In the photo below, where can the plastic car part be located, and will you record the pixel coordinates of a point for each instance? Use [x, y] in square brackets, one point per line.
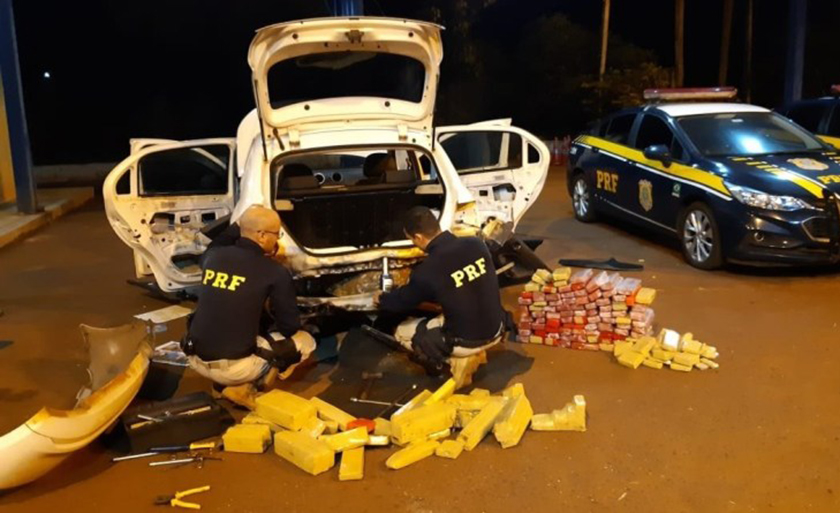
[119, 362]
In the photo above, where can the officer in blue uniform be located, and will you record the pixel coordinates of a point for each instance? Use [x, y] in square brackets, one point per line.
[459, 275]
[225, 341]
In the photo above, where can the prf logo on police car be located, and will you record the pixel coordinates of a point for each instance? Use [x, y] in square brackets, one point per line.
[220, 280]
[470, 272]
[606, 180]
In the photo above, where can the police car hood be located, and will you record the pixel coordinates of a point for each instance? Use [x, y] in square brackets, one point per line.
[346, 72]
[804, 175]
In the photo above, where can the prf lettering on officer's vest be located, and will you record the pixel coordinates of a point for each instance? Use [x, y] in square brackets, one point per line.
[607, 181]
[219, 280]
[469, 272]
[827, 179]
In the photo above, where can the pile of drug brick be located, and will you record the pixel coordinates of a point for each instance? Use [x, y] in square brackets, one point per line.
[310, 433]
[584, 309]
[679, 352]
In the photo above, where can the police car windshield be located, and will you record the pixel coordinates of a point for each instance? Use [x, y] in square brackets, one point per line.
[748, 133]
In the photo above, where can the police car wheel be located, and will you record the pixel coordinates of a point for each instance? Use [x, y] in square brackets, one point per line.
[582, 199]
[700, 237]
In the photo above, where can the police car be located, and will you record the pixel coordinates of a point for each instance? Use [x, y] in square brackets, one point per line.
[732, 181]
[818, 115]
[342, 143]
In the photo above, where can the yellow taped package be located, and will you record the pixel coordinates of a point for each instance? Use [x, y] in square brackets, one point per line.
[247, 438]
[645, 296]
[621, 347]
[680, 367]
[415, 402]
[450, 449]
[347, 440]
[331, 427]
[308, 454]
[571, 418]
[709, 352]
[419, 423]
[623, 321]
[644, 345]
[285, 409]
[652, 363]
[328, 412]
[383, 427]
[412, 454]
[442, 393]
[686, 359]
[661, 354]
[314, 427]
[468, 402]
[691, 346]
[480, 392]
[253, 418]
[710, 363]
[533, 287]
[478, 427]
[513, 422]
[378, 441]
[604, 346]
[464, 417]
[631, 359]
[352, 467]
[562, 274]
[440, 435]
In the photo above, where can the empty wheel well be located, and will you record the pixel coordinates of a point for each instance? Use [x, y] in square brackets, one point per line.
[570, 182]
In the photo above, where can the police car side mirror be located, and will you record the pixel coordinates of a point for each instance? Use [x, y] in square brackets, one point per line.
[658, 152]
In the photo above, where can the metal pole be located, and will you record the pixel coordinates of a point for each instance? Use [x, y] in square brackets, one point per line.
[15, 112]
[725, 37]
[795, 51]
[748, 54]
[605, 32]
[679, 17]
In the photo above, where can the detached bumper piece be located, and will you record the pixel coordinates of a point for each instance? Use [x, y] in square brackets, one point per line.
[119, 362]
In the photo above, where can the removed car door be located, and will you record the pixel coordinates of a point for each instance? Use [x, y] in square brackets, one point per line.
[504, 167]
[159, 198]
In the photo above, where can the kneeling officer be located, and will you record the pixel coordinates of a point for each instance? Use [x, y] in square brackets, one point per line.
[224, 341]
[459, 275]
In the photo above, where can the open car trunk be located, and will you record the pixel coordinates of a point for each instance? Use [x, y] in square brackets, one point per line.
[353, 200]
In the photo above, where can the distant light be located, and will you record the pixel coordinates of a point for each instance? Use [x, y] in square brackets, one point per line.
[47, 75]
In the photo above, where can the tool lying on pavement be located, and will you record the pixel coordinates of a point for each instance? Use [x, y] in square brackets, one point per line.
[608, 265]
[198, 460]
[154, 451]
[369, 401]
[175, 499]
[396, 401]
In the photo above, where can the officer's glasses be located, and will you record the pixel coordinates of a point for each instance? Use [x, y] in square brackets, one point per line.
[277, 234]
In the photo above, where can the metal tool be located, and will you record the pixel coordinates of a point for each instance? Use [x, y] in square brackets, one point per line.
[396, 401]
[154, 451]
[199, 460]
[386, 282]
[368, 378]
[368, 401]
[175, 501]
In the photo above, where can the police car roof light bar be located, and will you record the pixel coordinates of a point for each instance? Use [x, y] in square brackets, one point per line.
[691, 93]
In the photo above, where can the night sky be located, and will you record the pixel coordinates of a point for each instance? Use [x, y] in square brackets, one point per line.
[177, 68]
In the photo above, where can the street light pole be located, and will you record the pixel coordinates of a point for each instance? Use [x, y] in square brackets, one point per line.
[795, 51]
[15, 112]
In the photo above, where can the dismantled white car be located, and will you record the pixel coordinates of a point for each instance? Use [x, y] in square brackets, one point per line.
[341, 144]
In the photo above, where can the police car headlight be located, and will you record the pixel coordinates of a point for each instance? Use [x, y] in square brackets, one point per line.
[758, 199]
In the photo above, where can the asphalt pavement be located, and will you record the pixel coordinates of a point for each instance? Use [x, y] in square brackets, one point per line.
[762, 433]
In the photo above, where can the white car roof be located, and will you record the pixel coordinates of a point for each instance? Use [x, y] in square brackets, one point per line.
[677, 110]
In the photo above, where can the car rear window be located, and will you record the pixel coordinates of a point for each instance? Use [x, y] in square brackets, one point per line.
[749, 133]
[345, 74]
[619, 128]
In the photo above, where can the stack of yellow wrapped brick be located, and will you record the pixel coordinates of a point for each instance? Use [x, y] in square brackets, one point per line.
[682, 353]
[309, 433]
